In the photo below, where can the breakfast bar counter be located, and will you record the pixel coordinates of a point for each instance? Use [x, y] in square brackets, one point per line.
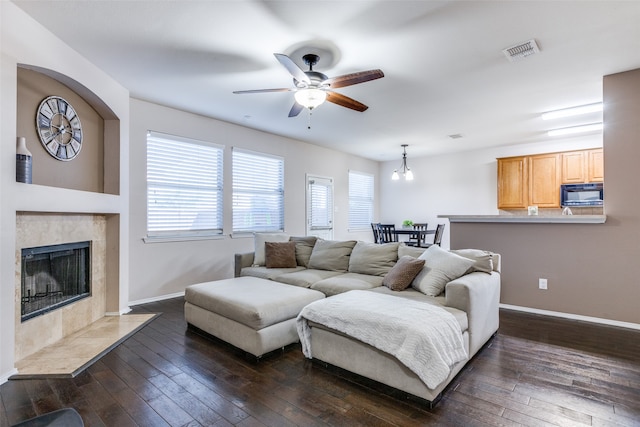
[529, 219]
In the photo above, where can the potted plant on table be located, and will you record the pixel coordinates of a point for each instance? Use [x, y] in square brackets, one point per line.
[407, 223]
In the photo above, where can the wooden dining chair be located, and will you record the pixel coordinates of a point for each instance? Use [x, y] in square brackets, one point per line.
[417, 239]
[387, 233]
[437, 237]
[376, 232]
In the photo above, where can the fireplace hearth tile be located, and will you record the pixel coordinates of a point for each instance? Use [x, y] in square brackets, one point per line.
[71, 355]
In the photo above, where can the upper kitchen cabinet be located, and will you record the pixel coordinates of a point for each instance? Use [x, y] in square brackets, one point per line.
[582, 166]
[544, 180]
[513, 183]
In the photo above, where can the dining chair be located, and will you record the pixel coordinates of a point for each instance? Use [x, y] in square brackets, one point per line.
[376, 232]
[417, 239]
[387, 233]
[437, 237]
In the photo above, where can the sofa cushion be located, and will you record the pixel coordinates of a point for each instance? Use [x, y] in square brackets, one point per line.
[305, 277]
[347, 282]
[267, 273]
[402, 274]
[332, 255]
[259, 239]
[440, 267]
[304, 246]
[280, 254]
[373, 258]
[483, 260]
[409, 250]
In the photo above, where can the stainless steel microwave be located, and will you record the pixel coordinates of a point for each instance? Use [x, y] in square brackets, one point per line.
[588, 194]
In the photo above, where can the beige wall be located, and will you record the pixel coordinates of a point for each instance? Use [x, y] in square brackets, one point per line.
[85, 172]
[591, 268]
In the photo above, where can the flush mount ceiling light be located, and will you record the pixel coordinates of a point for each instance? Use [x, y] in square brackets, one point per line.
[592, 127]
[573, 111]
[406, 171]
[521, 51]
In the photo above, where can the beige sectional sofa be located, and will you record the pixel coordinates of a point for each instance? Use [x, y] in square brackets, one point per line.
[465, 283]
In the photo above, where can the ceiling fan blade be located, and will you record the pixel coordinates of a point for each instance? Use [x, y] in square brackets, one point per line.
[353, 78]
[295, 109]
[345, 101]
[284, 89]
[292, 68]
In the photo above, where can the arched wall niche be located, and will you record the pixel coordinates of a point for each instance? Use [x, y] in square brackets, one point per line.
[97, 167]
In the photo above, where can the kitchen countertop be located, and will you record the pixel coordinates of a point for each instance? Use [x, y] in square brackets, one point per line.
[529, 219]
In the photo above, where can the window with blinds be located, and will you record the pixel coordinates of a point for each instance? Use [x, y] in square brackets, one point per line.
[258, 192]
[184, 187]
[320, 204]
[360, 201]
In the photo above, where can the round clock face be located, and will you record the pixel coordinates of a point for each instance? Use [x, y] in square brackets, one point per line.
[59, 128]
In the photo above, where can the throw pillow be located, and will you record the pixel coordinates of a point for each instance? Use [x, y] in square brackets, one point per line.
[304, 246]
[331, 255]
[400, 276]
[440, 267]
[483, 260]
[372, 258]
[259, 241]
[413, 251]
[280, 254]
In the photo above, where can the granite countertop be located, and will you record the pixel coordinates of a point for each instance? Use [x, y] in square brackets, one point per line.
[529, 219]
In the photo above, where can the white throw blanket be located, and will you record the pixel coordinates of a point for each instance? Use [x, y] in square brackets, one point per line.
[425, 338]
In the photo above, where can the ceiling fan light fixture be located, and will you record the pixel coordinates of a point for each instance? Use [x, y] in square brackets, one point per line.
[310, 98]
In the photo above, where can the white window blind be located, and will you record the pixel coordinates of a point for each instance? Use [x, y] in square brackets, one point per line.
[320, 204]
[360, 200]
[184, 187]
[258, 192]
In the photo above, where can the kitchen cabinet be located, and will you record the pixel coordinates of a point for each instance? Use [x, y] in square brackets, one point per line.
[513, 183]
[544, 180]
[529, 181]
[595, 165]
[582, 166]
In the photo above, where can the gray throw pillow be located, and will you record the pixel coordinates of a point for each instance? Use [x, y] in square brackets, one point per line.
[440, 268]
[332, 255]
[483, 260]
[280, 254]
[400, 276]
[372, 258]
[304, 246]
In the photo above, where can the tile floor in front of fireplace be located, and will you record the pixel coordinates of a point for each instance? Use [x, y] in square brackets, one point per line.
[71, 355]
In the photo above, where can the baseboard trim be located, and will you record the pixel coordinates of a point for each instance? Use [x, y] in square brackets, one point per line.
[156, 299]
[5, 377]
[570, 316]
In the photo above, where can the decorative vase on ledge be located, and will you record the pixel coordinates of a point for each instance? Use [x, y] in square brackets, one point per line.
[23, 161]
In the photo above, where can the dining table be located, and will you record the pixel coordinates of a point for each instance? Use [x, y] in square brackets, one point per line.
[411, 232]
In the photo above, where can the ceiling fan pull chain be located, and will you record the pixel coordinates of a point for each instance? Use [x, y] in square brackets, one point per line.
[309, 125]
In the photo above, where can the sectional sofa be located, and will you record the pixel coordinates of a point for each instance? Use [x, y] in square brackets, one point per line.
[464, 283]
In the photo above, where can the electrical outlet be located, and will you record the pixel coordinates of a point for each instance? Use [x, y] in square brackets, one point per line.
[542, 283]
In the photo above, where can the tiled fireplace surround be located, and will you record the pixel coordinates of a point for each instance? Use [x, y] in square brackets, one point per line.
[41, 229]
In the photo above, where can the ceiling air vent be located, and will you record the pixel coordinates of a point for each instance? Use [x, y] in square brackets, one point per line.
[521, 51]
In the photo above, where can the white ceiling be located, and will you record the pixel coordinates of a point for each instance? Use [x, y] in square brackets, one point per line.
[445, 72]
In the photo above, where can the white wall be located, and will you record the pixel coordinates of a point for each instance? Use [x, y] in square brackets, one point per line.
[159, 269]
[456, 184]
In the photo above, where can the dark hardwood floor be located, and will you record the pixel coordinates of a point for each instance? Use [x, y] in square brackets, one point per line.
[536, 371]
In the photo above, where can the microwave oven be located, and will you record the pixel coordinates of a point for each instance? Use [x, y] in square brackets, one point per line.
[588, 194]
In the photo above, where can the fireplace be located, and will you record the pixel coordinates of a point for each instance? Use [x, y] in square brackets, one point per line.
[54, 276]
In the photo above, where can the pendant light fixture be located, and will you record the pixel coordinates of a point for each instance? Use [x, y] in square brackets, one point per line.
[406, 171]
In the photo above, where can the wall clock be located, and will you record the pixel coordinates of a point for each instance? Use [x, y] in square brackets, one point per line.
[59, 128]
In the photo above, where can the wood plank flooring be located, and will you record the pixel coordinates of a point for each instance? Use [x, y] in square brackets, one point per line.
[537, 371]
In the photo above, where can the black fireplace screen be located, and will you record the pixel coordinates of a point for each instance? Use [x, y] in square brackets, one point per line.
[54, 276]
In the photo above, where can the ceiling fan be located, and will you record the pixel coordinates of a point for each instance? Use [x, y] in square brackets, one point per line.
[312, 88]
